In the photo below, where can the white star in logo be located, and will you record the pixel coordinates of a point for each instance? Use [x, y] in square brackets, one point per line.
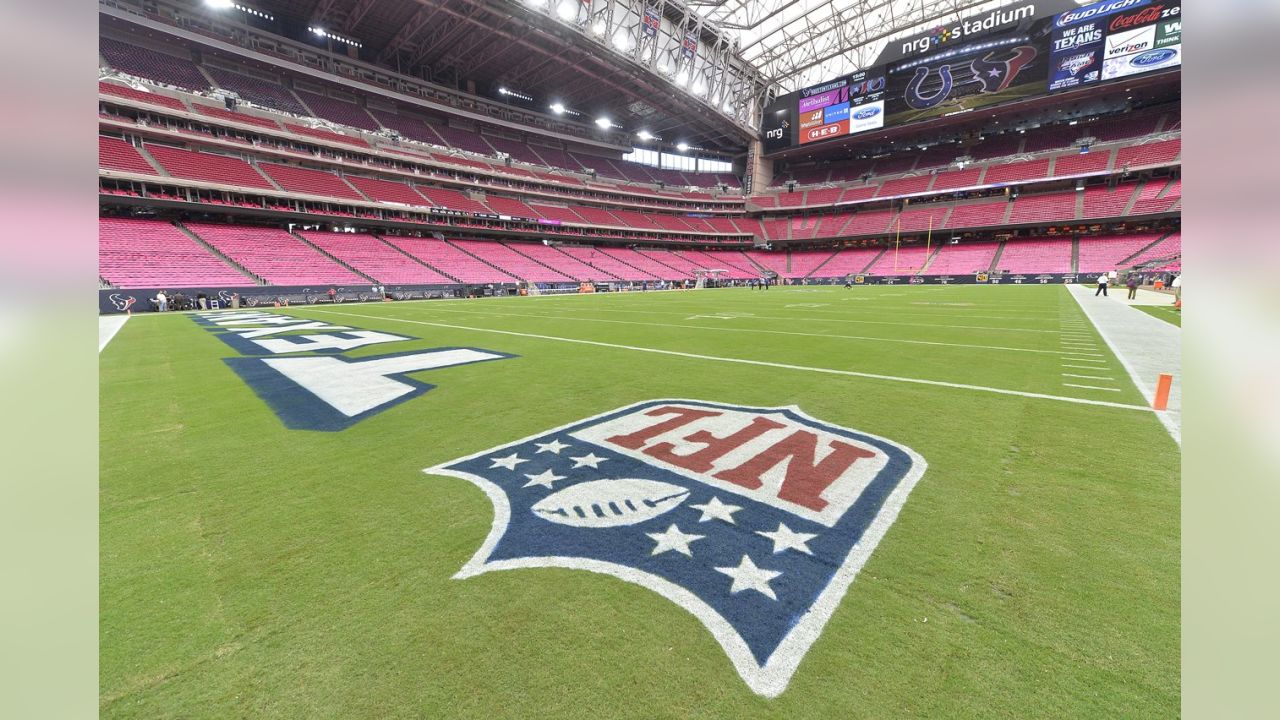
[509, 462]
[588, 460]
[749, 577]
[716, 510]
[544, 479]
[555, 446]
[784, 538]
[673, 539]
[994, 72]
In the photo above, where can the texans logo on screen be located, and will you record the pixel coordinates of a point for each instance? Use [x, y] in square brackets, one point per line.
[755, 520]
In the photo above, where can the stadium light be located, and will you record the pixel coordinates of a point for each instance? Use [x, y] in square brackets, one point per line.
[219, 4]
[318, 30]
[699, 88]
[598, 28]
[645, 135]
[567, 10]
[603, 122]
[557, 108]
[503, 91]
[682, 147]
[622, 40]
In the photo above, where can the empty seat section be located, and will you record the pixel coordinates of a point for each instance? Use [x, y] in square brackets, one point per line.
[448, 259]
[1081, 164]
[151, 64]
[864, 192]
[823, 196]
[1017, 171]
[258, 92]
[153, 254]
[516, 149]
[805, 262]
[560, 262]
[386, 191]
[673, 261]
[982, 214]
[775, 261]
[376, 259]
[969, 177]
[1157, 153]
[408, 126]
[673, 222]
[849, 261]
[555, 212]
[596, 258]
[510, 206]
[116, 154]
[1045, 207]
[996, 146]
[468, 140]
[866, 223]
[1107, 202]
[339, 111]
[274, 255]
[602, 166]
[1036, 256]
[734, 263]
[1101, 254]
[233, 116]
[451, 199]
[1050, 138]
[555, 157]
[1167, 248]
[905, 186]
[510, 261]
[207, 166]
[894, 165]
[310, 182]
[598, 216]
[791, 199]
[964, 259]
[1153, 199]
[646, 264]
[631, 218]
[832, 225]
[905, 260]
[923, 219]
[145, 96]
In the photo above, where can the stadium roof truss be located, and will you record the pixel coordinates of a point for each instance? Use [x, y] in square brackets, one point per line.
[795, 43]
[577, 50]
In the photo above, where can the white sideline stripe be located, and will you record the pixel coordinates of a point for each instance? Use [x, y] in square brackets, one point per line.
[108, 326]
[767, 332]
[760, 363]
[1083, 357]
[1088, 377]
[1084, 367]
[1090, 387]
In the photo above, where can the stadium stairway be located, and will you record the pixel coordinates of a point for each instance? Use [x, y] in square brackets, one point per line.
[455, 246]
[415, 258]
[333, 257]
[761, 269]
[218, 254]
[603, 273]
[929, 260]
[516, 248]
[1125, 262]
[995, 259]
[816, 268]
[1075, 254]
[1133, 198]
[146, 155]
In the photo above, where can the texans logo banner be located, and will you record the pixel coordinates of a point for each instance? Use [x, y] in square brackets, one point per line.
[755, 520]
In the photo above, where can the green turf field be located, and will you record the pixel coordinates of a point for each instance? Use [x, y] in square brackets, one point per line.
[1166, 313]
[249, 570]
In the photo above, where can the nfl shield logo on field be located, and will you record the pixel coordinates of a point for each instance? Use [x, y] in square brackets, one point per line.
[756, 520]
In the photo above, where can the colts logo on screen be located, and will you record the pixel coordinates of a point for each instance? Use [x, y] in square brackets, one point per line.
[755, 520]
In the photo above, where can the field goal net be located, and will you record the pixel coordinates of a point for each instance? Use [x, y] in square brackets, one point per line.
[703, 275]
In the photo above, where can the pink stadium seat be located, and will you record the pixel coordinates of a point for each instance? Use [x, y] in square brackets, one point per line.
[562, 263]
[1046, 207]
[849, 261]
[963, 259]
[153, 98]
[136, 253]
[986, 213]
[310, 182]
[598, 259]
[386, 191]
[339, 111]
[905, 260]
[207, 166]
[377, 259]
[274, 255]
[510, 261]
[1050, 255]
[116, 154]
[450, 260]
[1101, 254]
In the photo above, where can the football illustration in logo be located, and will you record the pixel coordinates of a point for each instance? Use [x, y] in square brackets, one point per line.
[754, 520]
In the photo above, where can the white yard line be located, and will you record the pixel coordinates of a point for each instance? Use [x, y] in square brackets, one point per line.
[1090, 387]
[1088, 377]
[108, 326]
[758, 363]
[766, 332]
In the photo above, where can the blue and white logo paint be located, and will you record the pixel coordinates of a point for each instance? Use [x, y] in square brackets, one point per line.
[755, 520]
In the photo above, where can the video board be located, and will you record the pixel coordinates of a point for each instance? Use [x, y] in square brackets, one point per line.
[1021, 51]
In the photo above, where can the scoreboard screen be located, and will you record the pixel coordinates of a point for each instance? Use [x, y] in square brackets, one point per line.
[1010, 54]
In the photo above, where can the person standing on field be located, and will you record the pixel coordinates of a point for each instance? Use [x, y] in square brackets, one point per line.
[1132, 284]
[1102, 286]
